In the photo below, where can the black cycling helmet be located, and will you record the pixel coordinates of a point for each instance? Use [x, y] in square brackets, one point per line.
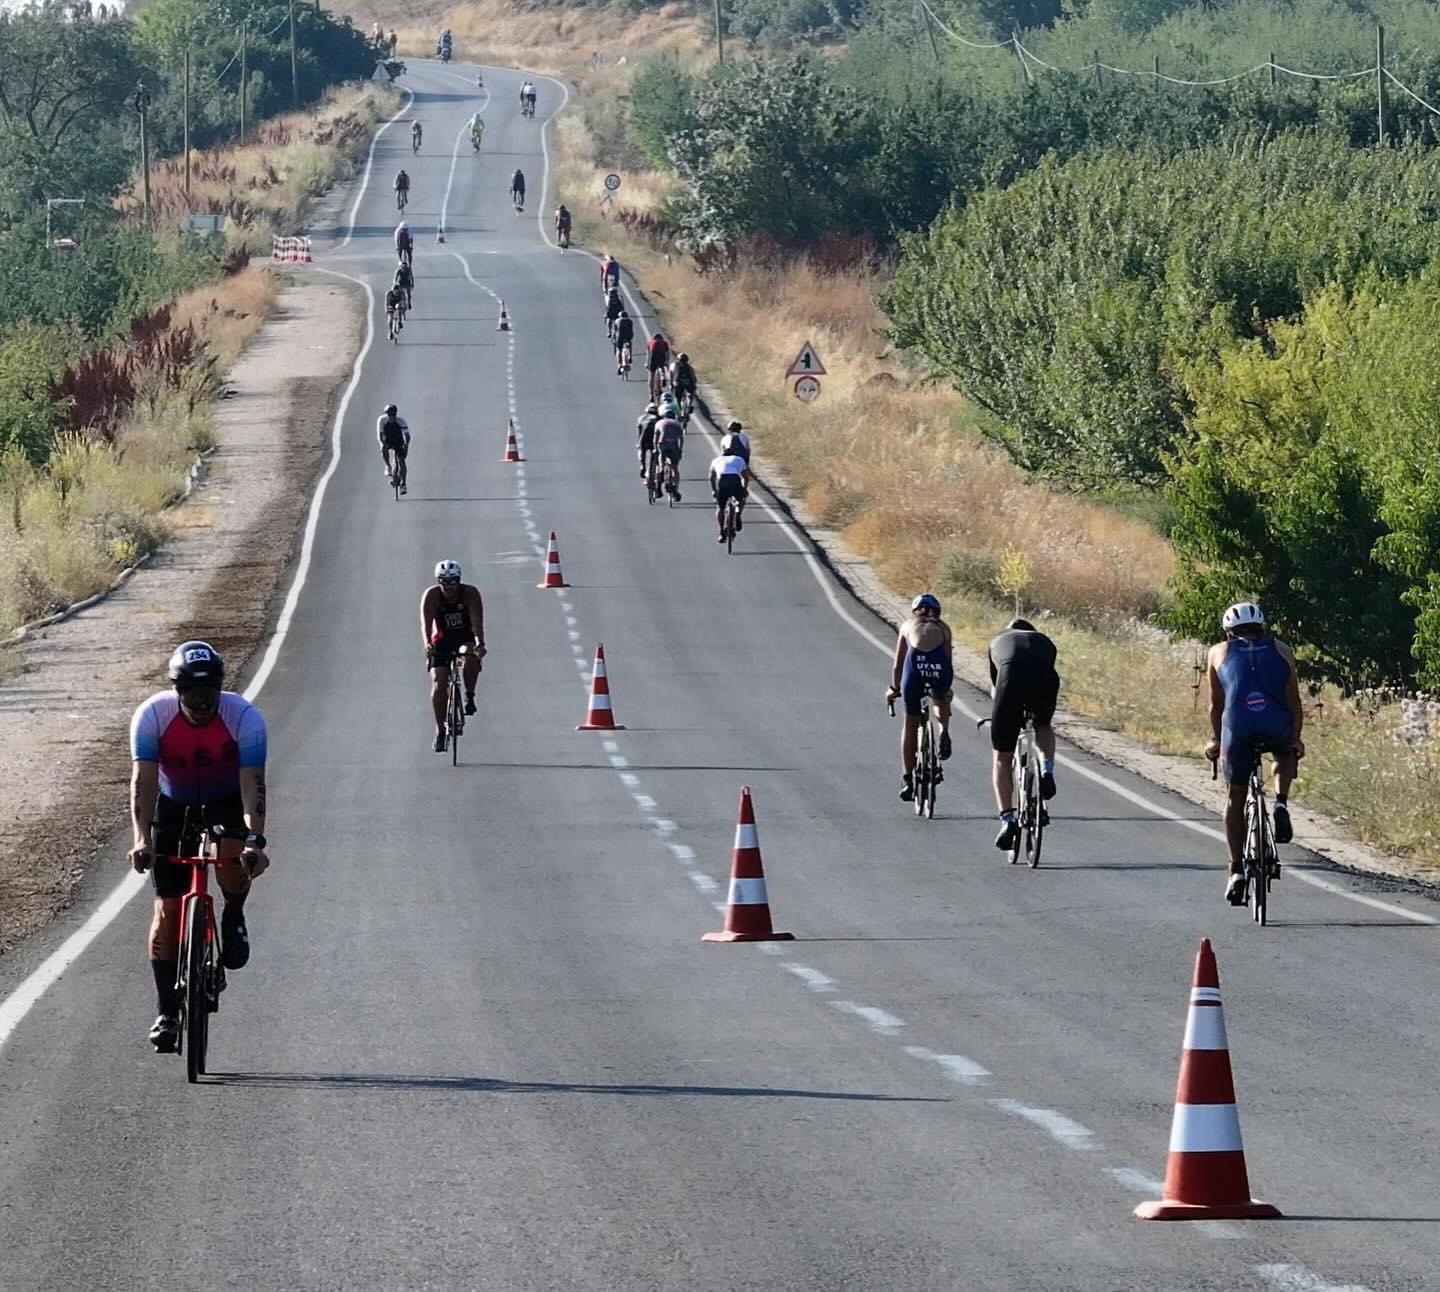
[734, 426]
[391, 410]
[925, 601]
[1020, 626]
[684, 358]
[196, 664]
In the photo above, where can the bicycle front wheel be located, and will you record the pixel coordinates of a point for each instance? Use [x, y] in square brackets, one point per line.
[1034, 815]
[196, 1004]
[456, 718]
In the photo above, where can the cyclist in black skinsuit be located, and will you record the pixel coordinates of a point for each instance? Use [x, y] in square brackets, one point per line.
[1022, 680]
[517, 188]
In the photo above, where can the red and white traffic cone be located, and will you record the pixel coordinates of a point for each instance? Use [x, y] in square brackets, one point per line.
[512, 454]
[553, 578]
[600, 717]
[1205, 1177]
[504, 324]
[747, 913]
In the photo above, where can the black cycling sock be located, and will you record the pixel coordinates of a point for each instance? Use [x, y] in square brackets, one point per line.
[1280, 800]
[166, 1000]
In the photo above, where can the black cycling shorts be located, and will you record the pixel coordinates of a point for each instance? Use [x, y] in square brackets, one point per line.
[176, 832]
[657, 362]
[444, 651]
[729, 486]
[1018, 692]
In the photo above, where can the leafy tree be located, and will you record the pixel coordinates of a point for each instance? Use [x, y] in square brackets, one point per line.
[30, 356]
[63, 89]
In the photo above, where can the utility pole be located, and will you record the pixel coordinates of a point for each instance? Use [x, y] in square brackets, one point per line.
[1272, 68]
[1380, 88]
[294, 75]
[719, 35]
[1157, 71]
[243, 33]
[142, 105]
[929, 30]
[1015, 45]
[186, 115]
[1096, 55]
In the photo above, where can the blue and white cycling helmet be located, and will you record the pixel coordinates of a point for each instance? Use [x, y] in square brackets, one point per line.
[925, 601]
[1240, 614]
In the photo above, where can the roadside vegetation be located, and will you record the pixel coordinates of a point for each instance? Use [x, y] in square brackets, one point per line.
[116, 330]
[1112, 351]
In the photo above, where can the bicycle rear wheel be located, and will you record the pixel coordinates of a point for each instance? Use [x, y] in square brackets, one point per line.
[1033, 815]
[196, 999]
[1257, 864]
[730, 514]
[1024, 761]
[932, 765]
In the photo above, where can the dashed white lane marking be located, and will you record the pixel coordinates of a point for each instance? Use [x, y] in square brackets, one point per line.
[629, 780]
[703, 882]
[1056, 1125]
[682, 853]
[955, 1066]
[1147, 1186]
[1296, 1278]
[644, 802]
[877, 1020]
[812, 978]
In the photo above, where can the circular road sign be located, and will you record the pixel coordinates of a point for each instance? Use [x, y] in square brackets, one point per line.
[807, 388]
[612, 181]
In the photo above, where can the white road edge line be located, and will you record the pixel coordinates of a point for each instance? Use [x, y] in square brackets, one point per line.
[370, 163]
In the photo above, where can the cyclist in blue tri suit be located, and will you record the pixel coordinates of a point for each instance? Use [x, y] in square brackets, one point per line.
[922, 663]
[1254, 696]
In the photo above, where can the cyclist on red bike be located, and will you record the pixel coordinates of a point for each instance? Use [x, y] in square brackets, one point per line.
[198, 761]
[657, 362]
[452, 615]
[609, 273]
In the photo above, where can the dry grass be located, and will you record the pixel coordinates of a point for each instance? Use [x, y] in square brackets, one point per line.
[228, 314]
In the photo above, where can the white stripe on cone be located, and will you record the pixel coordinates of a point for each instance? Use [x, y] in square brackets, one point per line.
[1205, 1029]
[746, 835]
[599, 700]
[748, 892]
[1205, 1128]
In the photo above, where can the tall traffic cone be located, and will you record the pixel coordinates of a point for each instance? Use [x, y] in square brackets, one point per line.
[504, 324]
[600, 717]
[512, 454]
[747, 914]
[553, 578]
[1205, 1177]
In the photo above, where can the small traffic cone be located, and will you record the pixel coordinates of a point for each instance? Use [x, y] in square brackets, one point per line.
[504, 324]
[747, 914]
[512, 454]
[600, 717]
[1205, 1177]
[553, 577]
[439, 233]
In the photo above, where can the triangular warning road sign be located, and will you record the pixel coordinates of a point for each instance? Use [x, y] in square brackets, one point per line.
[807, 363]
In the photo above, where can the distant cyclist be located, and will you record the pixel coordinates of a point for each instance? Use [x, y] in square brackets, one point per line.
[729, 478]
[517, 189]
[415, 133]
[1022, 680]
[404, 243]
[657, 360]
[402, 188]
[736, 441]
[624, 337]
[682, 378]
[645, 436]
[452, 615]
[670, 444]
[198, 761]
[477, 131]
[614, 308]
[393, 433]
[922, 665]
[1254, 698]
[394, 311]
[405, 281]
[609, 274]
[527, 98]
[562, 225]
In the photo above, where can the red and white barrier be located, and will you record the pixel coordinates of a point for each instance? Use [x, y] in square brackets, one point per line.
[290, 251]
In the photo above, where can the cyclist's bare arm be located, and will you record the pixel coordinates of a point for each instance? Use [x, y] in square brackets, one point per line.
[428, 610]
[902, 648]
[476, 606]
[1213, 661]
[144, 791]
[1292, 691]
[253, 798]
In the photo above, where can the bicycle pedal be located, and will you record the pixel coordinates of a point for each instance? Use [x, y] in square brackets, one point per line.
[1044, 817]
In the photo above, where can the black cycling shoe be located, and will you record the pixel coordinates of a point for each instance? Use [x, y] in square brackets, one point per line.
[165, 1034]
[1284, 831]
[1047, 785]
[945, 748]
[234, 939]
[439, 744]
[739, 522]
[1008, 837]
[1235, 889]
[470, 705]
[907, 790]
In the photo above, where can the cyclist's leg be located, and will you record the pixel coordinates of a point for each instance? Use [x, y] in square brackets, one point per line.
[1236, 761]
[1007, 716]
[439, 685]
[472, 676]
[402, 467]
[943, 697]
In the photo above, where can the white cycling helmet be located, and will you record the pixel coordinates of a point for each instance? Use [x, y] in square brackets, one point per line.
[1240, 614]
[447, 572]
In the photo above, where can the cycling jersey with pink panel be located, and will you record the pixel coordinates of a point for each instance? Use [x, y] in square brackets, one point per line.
[198, 764]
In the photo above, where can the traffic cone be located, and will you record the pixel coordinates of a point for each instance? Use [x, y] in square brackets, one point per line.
[600, 717]
[512, 454]
[1205, 1177]
[504, 324]
[553, 577]
[747, 914]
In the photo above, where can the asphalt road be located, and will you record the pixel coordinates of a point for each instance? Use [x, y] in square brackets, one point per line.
[481, 1045]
